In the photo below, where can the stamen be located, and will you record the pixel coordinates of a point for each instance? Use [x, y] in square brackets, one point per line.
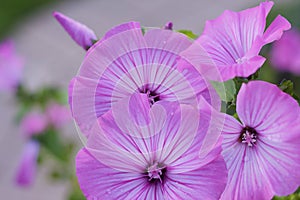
[248, 136]
[156, 172]
[152, 95]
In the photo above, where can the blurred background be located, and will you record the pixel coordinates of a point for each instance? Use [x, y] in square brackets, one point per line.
[51, 59]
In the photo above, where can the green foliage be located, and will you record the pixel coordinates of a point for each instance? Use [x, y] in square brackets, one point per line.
[226, 90]
[188, 33]
[287, 86]
[11, 11]
[53, 143]
[41, 97]
[75, 193]
[295, 196]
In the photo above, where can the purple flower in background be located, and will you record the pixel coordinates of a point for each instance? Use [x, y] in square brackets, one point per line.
[33, 123]
[58, 115]
[80, 33]
[124, 62]
[150, 159]
[233, 42]
[262, 151]
[27, 167]
[11, 67]
[285, 53]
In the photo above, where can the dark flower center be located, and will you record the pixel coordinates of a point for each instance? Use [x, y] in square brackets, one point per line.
[156, 172]
[248, 136]
[153, 96]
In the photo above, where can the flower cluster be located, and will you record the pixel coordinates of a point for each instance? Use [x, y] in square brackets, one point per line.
[149, 101]
[42, 115]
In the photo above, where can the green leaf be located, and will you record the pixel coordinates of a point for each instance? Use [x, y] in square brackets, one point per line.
[188, 33]
[294, 196]
[226, 90]
[143, 29]
[287, 86]
[55, 145]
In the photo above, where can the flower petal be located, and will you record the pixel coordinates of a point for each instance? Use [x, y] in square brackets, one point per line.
[120, 40]
[244, 69]
[265, 107]
[178, 134]
[28, 165]
[246, 180]
[285, 53]
[126, 62]
[276, 28]
[33, 123]
[268, 169]
[98, 181]
[168, 40]
[235, 32]
[230, 44]
[11, 67]
[206, 182]
[202, 87]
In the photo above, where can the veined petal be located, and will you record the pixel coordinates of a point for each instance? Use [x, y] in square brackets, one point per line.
[117, 149]
[98, 181]
[168, 40]
[259, 173]
[205, 182]
[202, 87]
[246, 180]
[206, 144]
[269, 165]
[258, 104]
[120, 40]
[244, 69]
[178, 134]
[281, 158]
[235, 32]
[126, 62]
[233, 42]
[276, 29]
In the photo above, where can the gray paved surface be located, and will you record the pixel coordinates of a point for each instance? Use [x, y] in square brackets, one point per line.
[53, 58]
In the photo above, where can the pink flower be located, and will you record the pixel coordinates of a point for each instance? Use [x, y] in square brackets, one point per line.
[262, 151]
[124, 62]
[58, 115]
[11, 67]
[33, 123]
[229, 46]
[152, 155]
[285, 53]
[80, 33]
[27, 169]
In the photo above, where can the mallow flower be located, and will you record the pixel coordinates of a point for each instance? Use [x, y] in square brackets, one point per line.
[11, 67]
[26, 172]
[155, 154]
[126, 61]
[285, 53]
[33, 123]
[261, 150]
[81, 34]
[58, 115]
[230, 44]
